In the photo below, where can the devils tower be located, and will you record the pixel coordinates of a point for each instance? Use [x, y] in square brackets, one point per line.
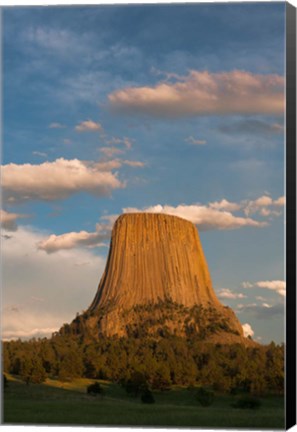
[157, 280]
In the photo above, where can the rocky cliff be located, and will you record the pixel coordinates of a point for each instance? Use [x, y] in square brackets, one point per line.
[157, 280]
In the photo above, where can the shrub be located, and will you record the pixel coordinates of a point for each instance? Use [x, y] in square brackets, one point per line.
[136, 384]
[247, 402]
[95, 389]
[205, 397]
[147, 397]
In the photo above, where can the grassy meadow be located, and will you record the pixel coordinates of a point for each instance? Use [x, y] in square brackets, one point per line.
[61, 403]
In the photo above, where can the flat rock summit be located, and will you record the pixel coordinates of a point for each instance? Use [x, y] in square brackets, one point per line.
[157, 282]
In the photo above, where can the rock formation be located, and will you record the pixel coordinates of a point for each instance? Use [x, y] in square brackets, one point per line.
[157, 280]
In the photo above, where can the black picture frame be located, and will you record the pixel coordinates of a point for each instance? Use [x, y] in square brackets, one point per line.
[291, 215]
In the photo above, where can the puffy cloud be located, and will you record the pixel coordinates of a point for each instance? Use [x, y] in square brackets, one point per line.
[60, 280]
[247, 330]
[55, 180]
[275, 285]
[88, 126]
[204, 217]
[225, 205]
[205, 93]
[194, 141]
[72, 240]
[228, 294]
[278, 286]
[263, 205]
[281, 201]
[8, 220]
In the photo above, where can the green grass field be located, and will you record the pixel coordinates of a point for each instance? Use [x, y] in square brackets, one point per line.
[60, 403]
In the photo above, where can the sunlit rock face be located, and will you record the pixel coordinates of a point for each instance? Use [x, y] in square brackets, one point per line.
[157, 281]
[154, 257]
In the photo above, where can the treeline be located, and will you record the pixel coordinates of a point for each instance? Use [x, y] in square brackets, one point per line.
[163, 362]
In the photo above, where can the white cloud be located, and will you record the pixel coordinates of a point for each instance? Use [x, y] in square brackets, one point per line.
[225, 205]
[263, 205]
[72, 240]
[228, 294]
[204, 217]
[194, 141]
[8, 220]
[205, 93]
[281, 201]
[247, 330]
[55, 180]
[278, 286]
[88, 126]
[65, 286]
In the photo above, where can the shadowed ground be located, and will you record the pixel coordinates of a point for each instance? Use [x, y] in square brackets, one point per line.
[51, 404]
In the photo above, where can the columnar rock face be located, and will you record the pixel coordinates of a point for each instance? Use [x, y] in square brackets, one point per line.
[153, 257]
[156, 280]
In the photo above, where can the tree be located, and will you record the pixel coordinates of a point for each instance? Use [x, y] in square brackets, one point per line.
[32, 371]
[71, 366]
[162, 380]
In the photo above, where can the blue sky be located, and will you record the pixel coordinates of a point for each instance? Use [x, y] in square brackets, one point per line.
[175, 109]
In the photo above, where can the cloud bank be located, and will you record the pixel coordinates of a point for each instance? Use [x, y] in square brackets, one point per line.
[51, 289]
[228, 294]
[55, 180]
[214, 216]
[205, 93]
[279, 286]
[264, 205]
[8, 220]
[72, 240]
[206, 218]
